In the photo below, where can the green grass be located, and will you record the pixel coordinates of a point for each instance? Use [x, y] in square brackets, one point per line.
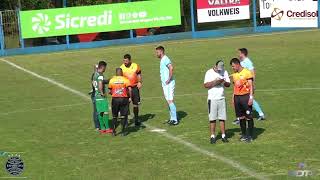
[60, 143]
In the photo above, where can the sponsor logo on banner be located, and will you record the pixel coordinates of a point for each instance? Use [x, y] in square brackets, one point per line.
[222, 10]
[289, 13]
[99, 18]
[266, 8]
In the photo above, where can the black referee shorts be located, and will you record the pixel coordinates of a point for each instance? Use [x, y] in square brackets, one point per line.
[135, 96]
[241, 106]
[120, 104]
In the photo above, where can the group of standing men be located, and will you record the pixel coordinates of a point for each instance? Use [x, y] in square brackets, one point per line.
[243, 79]
[124, 88]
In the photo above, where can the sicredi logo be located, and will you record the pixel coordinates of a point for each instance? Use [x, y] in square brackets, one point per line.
[41, 22]
[277, 14]
[302, 14]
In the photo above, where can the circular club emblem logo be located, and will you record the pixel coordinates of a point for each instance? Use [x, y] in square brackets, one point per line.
[15, 165]
[41, 23]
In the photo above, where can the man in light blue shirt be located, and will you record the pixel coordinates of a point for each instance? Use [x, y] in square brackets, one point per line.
[168, 83]
[247, 63]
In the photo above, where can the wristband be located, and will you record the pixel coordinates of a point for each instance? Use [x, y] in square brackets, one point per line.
[251, 97]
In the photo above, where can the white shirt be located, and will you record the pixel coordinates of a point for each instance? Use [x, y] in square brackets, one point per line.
[164, 69]
[247, 63]
[217, 92]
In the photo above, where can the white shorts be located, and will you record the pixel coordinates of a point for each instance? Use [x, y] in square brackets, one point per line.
[217, 109]
[168, 90]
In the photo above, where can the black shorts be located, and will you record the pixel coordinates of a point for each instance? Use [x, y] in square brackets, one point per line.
[241, 106]
[120, 105]
[135, 96]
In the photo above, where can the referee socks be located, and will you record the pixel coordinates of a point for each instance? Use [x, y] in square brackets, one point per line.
[250, 127]
[243, 126]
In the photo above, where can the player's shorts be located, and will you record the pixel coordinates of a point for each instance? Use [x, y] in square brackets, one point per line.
[102, 105]
[168, 90]
[217, 109]
[135, 96]
[241, 106]
[121, 105]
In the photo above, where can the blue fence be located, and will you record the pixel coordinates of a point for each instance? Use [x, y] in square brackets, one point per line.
[193, 33]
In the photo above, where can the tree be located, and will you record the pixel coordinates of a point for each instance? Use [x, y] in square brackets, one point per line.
[8, 4]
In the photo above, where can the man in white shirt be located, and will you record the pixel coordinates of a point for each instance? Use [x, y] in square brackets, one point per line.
[215, 80]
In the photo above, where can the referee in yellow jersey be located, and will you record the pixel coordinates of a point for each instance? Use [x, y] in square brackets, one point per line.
[243, 98]
[132, 72]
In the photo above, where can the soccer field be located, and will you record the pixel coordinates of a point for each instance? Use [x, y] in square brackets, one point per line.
[46, 114]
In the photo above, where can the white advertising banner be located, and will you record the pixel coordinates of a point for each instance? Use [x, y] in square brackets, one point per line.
[265, 7]
[289, 13]
[222, 10]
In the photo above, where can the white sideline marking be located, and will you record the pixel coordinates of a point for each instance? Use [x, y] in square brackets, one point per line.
[40, 109]
[11, 177]
[169, 136]
[158, 130]
[246, 177]
[47, 79]
[212, 154]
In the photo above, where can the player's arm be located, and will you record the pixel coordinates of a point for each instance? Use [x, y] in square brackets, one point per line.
[130, 93]
[226, 79]
[253, 72]
[250, 83]
[170, 67]
[110, 87]
[101, 85]
[139, 78]
[213, 83]
[128, 86]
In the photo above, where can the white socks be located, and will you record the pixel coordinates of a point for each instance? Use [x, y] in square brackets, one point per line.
[213, 136]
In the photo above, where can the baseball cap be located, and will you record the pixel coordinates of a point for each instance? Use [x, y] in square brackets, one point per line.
[220, 65]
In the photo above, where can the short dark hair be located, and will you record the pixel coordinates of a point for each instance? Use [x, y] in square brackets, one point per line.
[102, 64]
[234, 61]
[244, 51]
[118, 70]
[127, 56]
[161, 48]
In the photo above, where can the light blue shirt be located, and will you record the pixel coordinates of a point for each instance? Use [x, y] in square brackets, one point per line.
[164, 70]
[247, 63]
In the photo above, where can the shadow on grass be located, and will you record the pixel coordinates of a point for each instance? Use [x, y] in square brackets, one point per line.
[255, 114]
[181, 115]
[232, 132]
[143, 118]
